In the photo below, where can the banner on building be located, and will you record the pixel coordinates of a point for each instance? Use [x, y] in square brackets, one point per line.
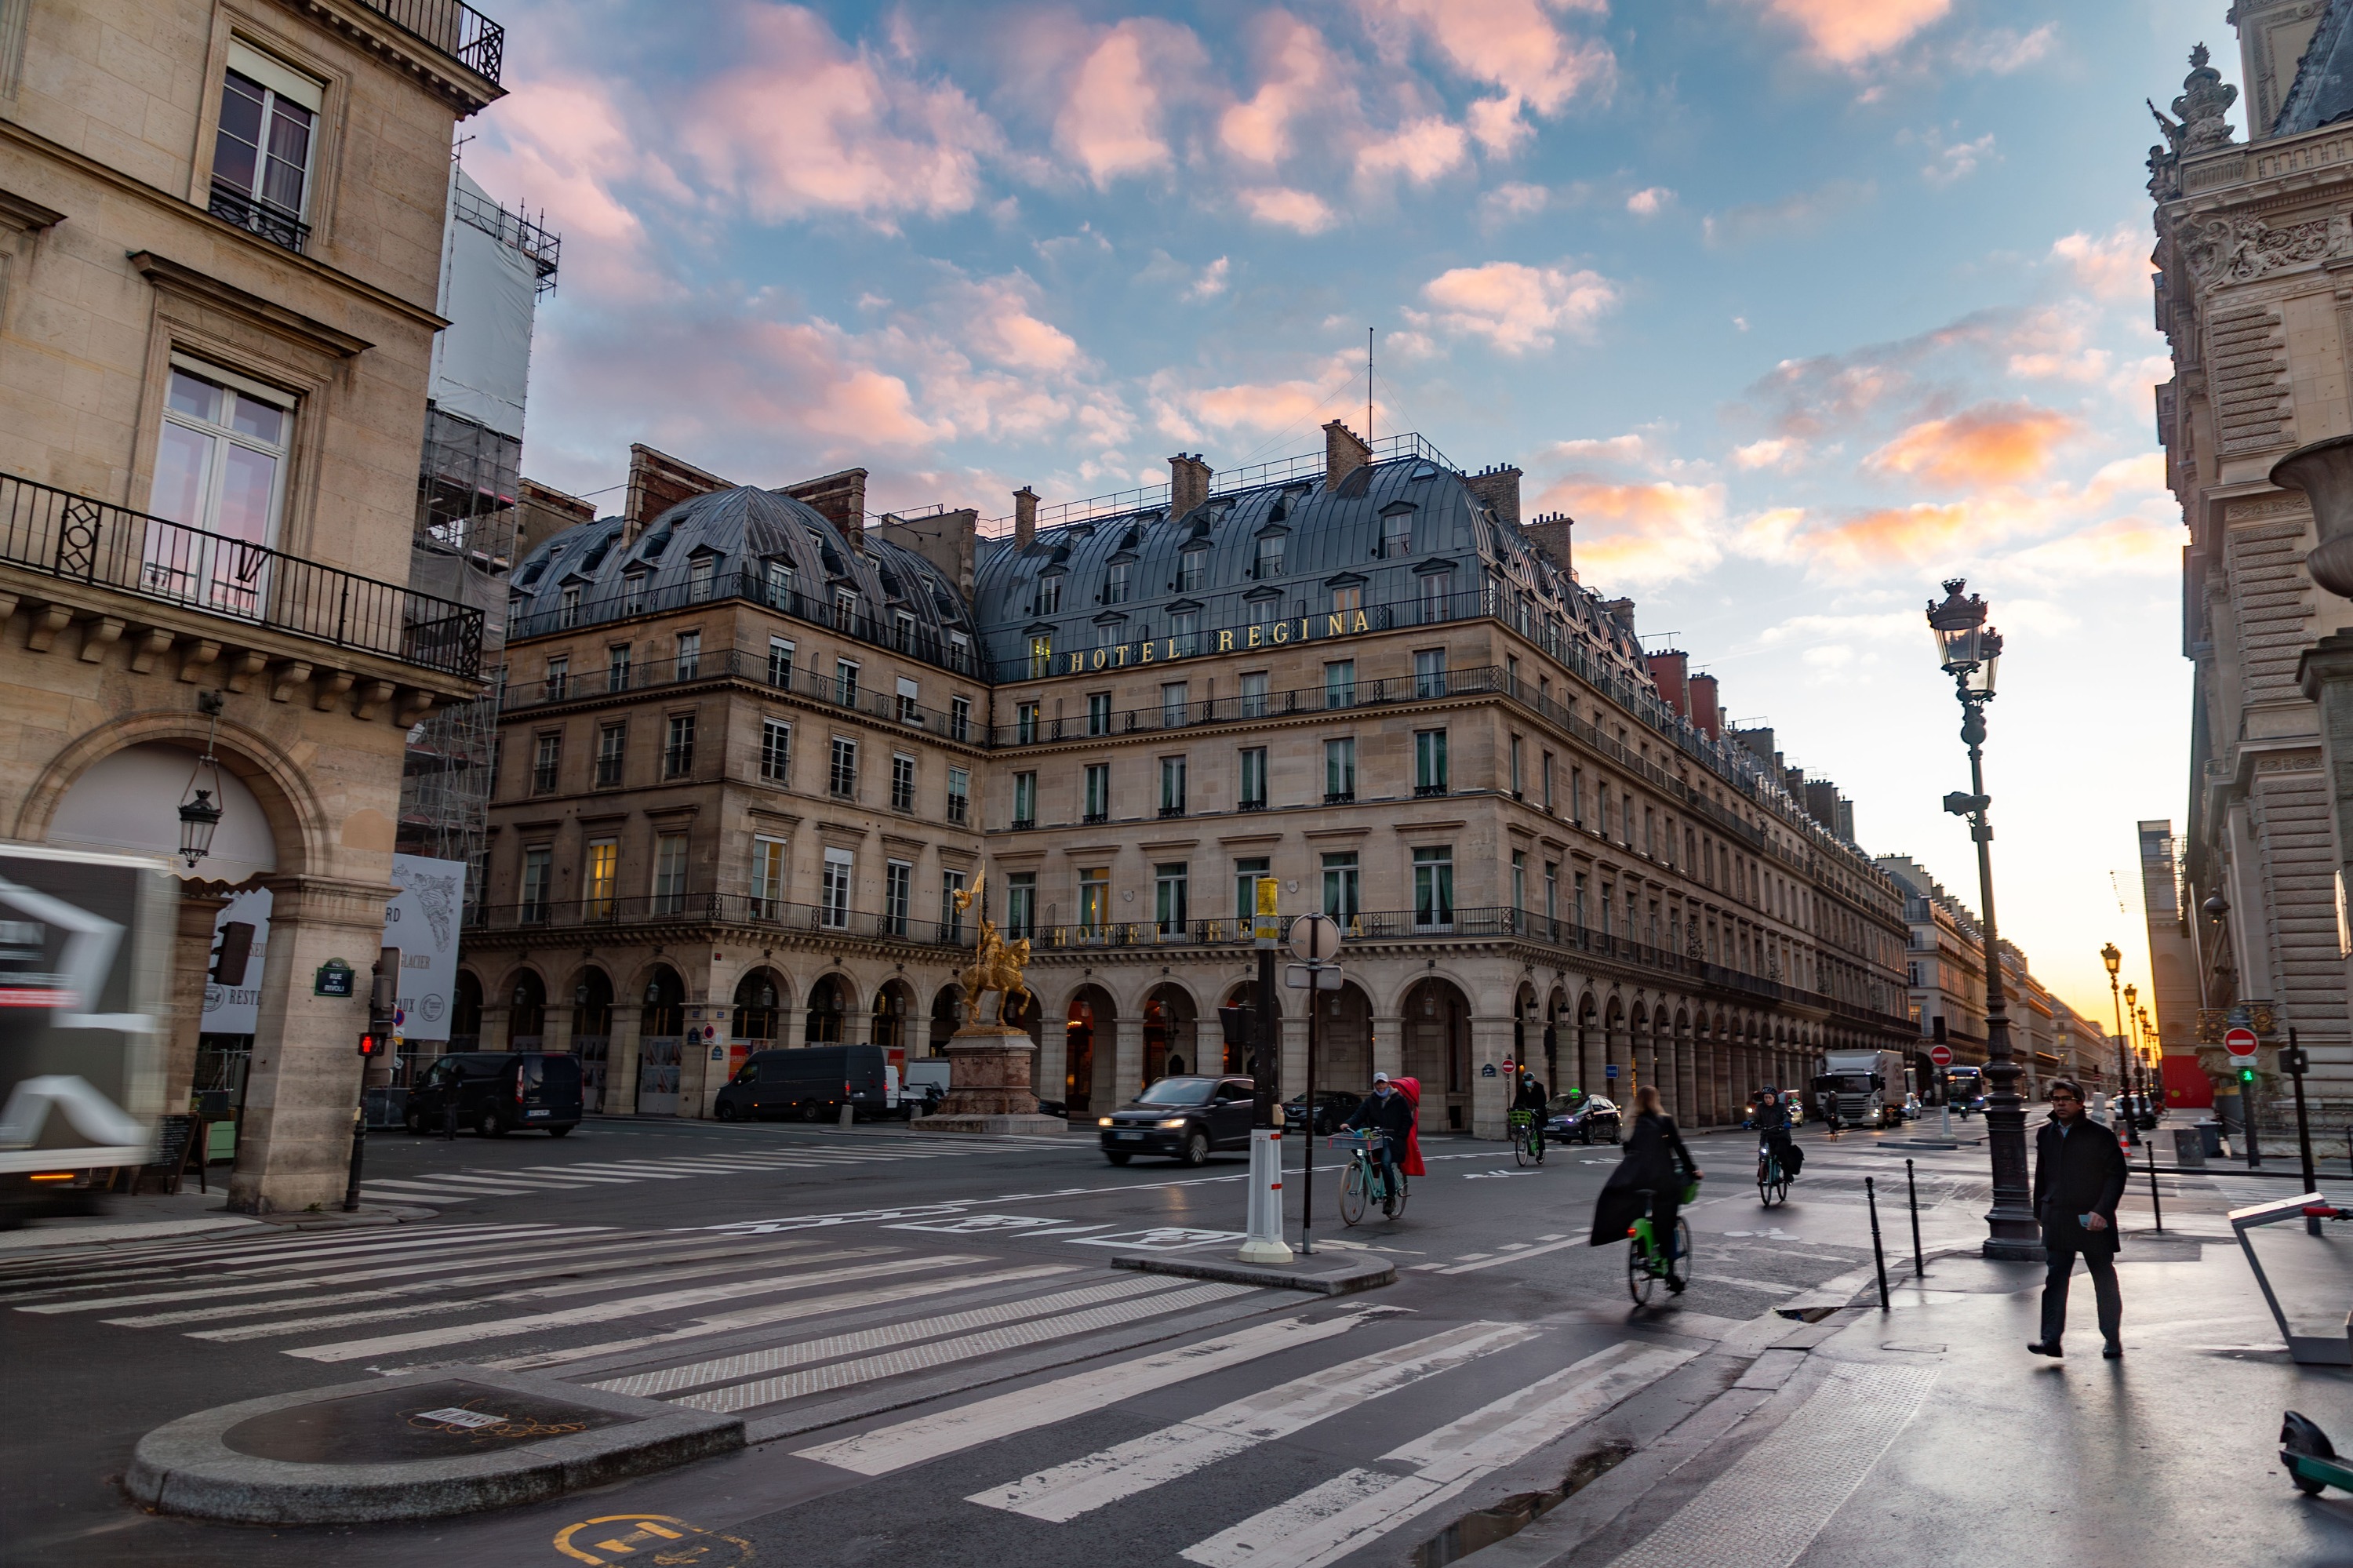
[422, 920]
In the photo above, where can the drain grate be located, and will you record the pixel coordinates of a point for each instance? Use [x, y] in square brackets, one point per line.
[1506, 1518]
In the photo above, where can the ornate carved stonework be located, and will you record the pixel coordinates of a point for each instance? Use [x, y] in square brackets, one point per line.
[2270, 506]
[2205, 99]
[2239, 249]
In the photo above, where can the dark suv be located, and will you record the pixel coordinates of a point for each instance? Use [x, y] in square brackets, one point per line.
[495, 1092]
[1184, 1117]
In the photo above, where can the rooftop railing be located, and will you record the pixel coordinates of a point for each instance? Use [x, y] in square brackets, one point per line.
[1306, 466]
[79, 539]
[454, 27]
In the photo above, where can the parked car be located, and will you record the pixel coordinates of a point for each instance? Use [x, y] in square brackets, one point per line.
[1185, 1118]
[925, 1087]
[1333, 1109]
[813, 1082]
[496, 1092]
[1580, 1118]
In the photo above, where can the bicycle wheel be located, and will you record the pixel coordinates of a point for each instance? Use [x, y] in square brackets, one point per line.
[1521, 1154]
[1639, 1280]
[1537, 1138]
[1780, 1186]
[1404, 1190]
[1681, 1263]
[1352, 1193]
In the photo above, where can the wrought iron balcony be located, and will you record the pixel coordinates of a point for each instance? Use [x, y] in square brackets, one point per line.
[454, 27]
[721, 908]
[276, 225]
[77, 540]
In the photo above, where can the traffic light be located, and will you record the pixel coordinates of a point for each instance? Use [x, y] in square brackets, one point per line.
[377, 1042]
[1239, 1026]
[2246, 1074]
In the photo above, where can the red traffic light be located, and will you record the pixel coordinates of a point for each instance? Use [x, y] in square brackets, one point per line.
[372, 1045]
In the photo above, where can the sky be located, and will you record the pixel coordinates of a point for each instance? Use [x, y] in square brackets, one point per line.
[1796, 306]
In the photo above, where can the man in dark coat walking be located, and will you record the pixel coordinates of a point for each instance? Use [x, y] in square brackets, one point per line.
[2079, 1178]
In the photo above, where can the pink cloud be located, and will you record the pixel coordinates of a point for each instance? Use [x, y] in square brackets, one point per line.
[1632, 535]
[1300, 75]
[562, 143]
[1515, 307]
[1990, 444]
[1849, 32]
[1110, 123]
[1421, 150]
[1514, 45]
[805, 122]
[1288, 208]
[1650, 201]
[2114, 266]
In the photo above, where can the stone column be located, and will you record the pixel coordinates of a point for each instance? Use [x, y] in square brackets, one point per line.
[1294, 1053]
[299, 1101]
[1053, 1060]
[1618, 1045]
[621, 1060]
[556, 1030]
[1127, 1058]
[1389, 1046]
[494, 1014]
[192, 950]
[1491, 1098]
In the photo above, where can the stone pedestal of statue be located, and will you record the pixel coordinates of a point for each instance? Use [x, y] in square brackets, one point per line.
[989, 1070]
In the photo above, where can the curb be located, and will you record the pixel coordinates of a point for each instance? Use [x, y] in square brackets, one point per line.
[1352, 1275]
[188, 1468]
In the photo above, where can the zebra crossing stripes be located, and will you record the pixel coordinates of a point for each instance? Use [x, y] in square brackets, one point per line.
[1327, 1522]
[1083, 1485]
[482, 1182]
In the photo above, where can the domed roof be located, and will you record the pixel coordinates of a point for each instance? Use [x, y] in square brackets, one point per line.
[1404, 539]
[743, 542]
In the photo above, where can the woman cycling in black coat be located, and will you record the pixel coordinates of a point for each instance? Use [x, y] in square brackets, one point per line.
[1655, 1162]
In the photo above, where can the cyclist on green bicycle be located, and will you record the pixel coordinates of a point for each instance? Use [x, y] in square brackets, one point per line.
[1532, 1099]
[1386, 1112]
[1771, 1120]
[1656, 1163]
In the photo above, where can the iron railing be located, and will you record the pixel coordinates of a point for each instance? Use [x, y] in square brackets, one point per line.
[82, 540]
[909, 637]
[723, 908]
[454, 27]
[274, 224]
[740, 664]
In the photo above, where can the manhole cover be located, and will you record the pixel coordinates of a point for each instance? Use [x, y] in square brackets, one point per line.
[441, 1420]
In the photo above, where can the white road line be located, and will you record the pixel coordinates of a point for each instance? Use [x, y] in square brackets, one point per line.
[606, 1167]
[282, 1260]
[944, 1352]
[1327, 1522]
[477, 1186]
[606, 1261]
[806, 1352]
[605, 1311]
[1512, 1257]
[1084, 1485]
[927, 1437]
[258, 1261]
[760, 1317]
[438, 1188]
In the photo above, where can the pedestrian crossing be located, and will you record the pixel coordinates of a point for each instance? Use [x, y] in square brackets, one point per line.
[1050, 1390]
[438, 1188]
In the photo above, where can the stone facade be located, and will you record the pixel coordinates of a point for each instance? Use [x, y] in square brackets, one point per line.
[2254, 294]
[253, 368]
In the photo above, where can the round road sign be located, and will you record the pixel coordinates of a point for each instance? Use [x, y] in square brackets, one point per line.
[2239, 1042]
[1941, 1055]
[1316, 939]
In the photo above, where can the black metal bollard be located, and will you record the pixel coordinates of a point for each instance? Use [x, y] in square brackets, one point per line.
[2155, 1205]
[359, 1153]
[1878, 1257]
[1912, 1193]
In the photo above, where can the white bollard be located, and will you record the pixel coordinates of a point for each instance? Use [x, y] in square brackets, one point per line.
[847, 1116]
[1265, 1243]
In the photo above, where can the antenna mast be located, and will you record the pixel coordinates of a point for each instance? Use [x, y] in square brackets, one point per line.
[1368, 386]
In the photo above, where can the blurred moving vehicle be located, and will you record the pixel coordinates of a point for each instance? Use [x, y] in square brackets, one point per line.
[1583, 1118]
[813, 1082]
[498, 1092]
[1184, 1118]
[1333, 1109]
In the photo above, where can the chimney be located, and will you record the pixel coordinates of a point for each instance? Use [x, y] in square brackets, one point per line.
[1188, 484]
[1344, 453]
[659, 481]
[1548, 533]
[1706, 710]
[1499, 487]
[1822, 802]
[944, 539]
[1671, 672]
[1025, 517]
[840, 499]
[542, 512]
[1620, 611]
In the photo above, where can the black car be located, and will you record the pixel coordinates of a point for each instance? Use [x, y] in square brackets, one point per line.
[496, 1092]
[813, 1082]
[1579, 1118]
[1184, 1117]
[1333, 1109]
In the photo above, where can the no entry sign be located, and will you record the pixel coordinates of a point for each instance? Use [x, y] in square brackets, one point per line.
[2239, 1042]
[1941, 1055]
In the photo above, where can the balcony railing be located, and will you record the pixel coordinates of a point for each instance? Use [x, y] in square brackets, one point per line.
[454, 27]
[76, 538]
[273, 224]
[910, 638]
[727, 908]
[739, 665]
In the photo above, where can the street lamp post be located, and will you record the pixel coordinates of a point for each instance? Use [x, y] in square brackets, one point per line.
[1969, 651]
[2114, 960]
[2132, 1077]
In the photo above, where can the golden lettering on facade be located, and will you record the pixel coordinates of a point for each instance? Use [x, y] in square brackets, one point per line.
[1283, 631]
[1361, 624]
[1255, 635]
[1119, 656]
[1148, 654]
[1225, 641]
[1078, 664]
[1334, 625]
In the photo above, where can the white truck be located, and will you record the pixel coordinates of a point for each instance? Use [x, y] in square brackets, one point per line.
[1867, 1086]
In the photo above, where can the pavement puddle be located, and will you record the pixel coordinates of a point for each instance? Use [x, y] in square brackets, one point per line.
[1500, 1521]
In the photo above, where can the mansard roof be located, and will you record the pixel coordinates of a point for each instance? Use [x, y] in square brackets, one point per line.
[2322, 93]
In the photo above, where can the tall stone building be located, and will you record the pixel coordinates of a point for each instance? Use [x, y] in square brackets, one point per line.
[2254, 294]
[1359, 674]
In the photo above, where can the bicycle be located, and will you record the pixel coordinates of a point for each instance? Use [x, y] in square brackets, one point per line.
[1772, 1181]
[1527, 1138]
[1365, 1184]
[1645, 1265]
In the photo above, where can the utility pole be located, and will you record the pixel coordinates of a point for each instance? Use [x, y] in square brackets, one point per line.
[1264, 1242]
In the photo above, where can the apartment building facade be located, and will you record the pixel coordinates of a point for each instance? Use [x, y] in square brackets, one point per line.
[220, 231]
[740, 739]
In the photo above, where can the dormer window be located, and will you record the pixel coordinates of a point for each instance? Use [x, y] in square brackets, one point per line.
[700, 573]
[1049, 594]
[1397, 533]
[1192, 571]
[780, 585]
[633, 593]
[1115, 585]
[845, 609]
[1270, 555]
[568, 607]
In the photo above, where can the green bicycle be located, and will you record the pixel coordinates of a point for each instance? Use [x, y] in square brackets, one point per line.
[1647, 1263]
[1527, 1138]
[1365, 1185]
[1772, 1176]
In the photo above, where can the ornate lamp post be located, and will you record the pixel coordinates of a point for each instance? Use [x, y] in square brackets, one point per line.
[1969, 651]
[200, 806]
[2114, 960]
[2132, 1084]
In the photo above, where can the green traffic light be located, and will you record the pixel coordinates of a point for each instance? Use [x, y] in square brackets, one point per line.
[2246, 1074]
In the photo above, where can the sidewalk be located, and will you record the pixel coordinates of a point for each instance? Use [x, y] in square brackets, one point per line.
[153, 1216]
[1927, 1434]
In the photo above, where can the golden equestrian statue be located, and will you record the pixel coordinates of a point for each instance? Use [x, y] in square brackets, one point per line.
[997, 964]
